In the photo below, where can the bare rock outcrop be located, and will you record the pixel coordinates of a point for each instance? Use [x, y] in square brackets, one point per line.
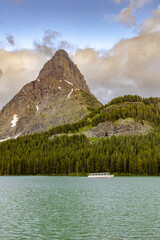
[120, 127]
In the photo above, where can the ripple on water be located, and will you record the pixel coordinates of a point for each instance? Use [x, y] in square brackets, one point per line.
[68, 208]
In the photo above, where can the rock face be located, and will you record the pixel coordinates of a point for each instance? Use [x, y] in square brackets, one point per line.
[120, 127]
[59, 95]
[61, 67]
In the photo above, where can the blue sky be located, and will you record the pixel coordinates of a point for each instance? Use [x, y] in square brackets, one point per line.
[85, 23]
[115, 43]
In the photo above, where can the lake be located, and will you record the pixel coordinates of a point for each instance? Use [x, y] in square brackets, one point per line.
[65, 208]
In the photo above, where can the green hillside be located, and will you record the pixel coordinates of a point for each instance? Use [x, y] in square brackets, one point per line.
[55, 153]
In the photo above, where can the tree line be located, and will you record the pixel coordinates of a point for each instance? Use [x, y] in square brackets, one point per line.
[134, 98]
[35, 154]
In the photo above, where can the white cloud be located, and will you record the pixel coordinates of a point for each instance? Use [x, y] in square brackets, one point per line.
[17, 69]
[151, 24]
[131, 67]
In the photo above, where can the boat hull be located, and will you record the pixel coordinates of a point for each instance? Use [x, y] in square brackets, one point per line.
[106, 176]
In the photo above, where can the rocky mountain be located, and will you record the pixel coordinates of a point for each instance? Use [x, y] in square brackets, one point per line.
[126, 126]
[59, 95]
[128, 115]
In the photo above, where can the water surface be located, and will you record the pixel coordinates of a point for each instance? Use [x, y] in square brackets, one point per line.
[67, 208]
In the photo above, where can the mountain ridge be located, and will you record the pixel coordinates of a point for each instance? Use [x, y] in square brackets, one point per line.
[55, 97]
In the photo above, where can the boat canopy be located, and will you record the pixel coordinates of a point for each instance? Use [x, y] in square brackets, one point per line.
[96, 174]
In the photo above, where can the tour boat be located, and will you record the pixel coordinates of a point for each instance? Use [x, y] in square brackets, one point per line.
[100, 175]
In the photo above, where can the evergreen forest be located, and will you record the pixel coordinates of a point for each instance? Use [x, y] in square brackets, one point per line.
[75, 154]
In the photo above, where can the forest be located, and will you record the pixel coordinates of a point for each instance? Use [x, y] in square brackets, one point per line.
[77, 155]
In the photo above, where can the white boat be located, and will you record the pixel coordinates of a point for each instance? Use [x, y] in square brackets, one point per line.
[100, 175]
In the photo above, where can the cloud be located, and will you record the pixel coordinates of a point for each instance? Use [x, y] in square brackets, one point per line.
[117, 1]
[126, 17]
[1, 73]
[111, 17]
[131, 67]
[51, 42]
[128, 14]
[139, 3]
[50, 36]
[48, 44]
[10, 39]
[66, 45]
[19, 68]
[134, 3]
[151, 24]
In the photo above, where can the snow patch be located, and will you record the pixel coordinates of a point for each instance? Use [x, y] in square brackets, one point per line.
[59, 88]
[68, 82]
[17, 136]
[24, 92]
[70, 93]
[5, 139]
[37, 108]
[14, 121]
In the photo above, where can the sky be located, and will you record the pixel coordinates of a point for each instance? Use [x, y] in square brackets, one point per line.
[115, 43]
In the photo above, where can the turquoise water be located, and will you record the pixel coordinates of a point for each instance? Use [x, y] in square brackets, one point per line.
[79, 208]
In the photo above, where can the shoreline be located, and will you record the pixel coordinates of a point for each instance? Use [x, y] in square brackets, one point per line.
[74, 175]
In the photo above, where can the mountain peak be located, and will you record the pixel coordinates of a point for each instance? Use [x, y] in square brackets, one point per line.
[54, 98]
[61, 67]
[62, 53]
